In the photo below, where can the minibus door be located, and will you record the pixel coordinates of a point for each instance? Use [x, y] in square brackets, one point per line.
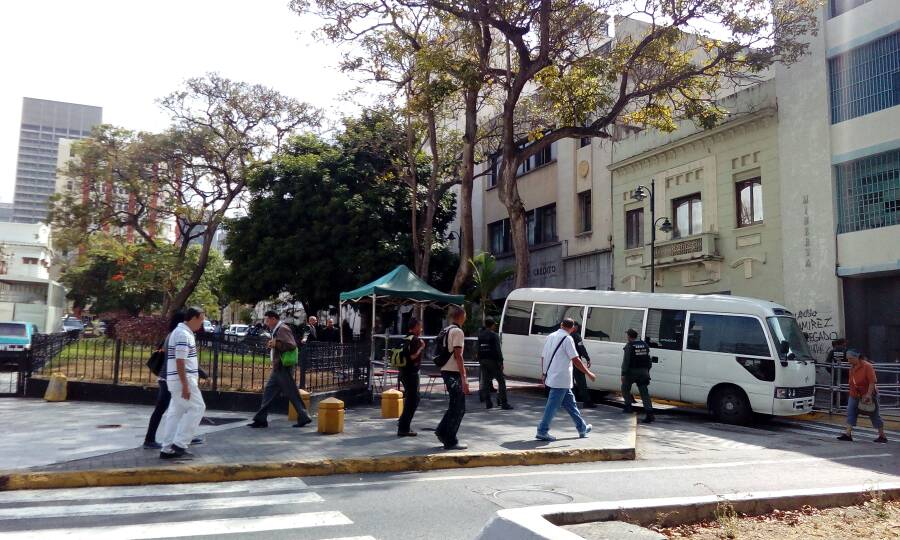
[665, 336]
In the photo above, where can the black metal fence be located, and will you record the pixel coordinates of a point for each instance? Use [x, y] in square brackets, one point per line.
[232, 363]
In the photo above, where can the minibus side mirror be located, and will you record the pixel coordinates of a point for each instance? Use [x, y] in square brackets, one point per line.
[785, 347]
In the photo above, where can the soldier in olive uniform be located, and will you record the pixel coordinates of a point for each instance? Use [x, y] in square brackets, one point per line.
[636, 369]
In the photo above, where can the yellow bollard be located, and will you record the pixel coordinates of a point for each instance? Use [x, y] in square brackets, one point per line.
[292, 412]
[391, 403]
[56, 389]
[331, 416]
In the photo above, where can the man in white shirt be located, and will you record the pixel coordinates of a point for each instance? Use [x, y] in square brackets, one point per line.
[556, 366]
[182, 371]
[456, 381]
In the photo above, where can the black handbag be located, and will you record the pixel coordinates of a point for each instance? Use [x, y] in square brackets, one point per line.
[157, 360]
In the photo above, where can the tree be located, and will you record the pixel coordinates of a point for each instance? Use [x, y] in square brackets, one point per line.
[192, 175]
[322, 221]
[561, 76]
[486, 278]
[439, 67]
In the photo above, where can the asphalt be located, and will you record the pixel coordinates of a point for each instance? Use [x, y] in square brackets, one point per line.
[681, 455]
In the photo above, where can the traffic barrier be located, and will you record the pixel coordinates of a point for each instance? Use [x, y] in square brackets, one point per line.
[56, 389]
[391, 403]
[331, 416]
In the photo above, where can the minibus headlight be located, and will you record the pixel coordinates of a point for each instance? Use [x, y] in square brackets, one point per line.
[785, 393]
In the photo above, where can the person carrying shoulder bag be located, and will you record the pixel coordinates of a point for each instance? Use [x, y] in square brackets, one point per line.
[863, 396]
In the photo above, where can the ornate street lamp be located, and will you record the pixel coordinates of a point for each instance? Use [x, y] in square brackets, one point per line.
[641, 193]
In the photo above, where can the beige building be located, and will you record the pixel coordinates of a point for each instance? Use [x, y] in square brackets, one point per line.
[719, 191]
[566, 192]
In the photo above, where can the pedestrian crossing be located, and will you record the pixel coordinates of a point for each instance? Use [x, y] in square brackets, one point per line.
[237, 509]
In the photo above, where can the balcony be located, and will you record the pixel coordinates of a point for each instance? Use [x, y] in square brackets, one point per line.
[697, 248]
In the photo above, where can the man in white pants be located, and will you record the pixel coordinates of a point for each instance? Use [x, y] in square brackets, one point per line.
[182, 371]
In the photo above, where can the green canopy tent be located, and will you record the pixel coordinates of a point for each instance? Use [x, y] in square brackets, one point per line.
[398, 287]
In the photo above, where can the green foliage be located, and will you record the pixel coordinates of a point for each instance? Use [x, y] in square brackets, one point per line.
[486, 277]
[112, 275]
[323, 220]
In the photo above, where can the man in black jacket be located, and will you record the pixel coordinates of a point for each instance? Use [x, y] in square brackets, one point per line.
[582, 393]
[490, 358]
[636, 370]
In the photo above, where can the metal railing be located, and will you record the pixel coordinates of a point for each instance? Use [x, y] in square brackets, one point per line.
[232, 363]
[833, 388]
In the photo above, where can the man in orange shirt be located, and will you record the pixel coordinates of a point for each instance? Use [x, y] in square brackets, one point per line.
[862, 391]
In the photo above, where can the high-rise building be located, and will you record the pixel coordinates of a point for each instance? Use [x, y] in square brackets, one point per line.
[44, 123]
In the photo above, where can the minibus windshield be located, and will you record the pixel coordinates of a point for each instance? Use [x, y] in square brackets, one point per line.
[787, 329]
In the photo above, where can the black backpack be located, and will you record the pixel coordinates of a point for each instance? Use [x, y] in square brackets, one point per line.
[442, 354]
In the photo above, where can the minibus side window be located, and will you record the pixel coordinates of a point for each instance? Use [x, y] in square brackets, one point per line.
[727, 334]
[517, 317]
[665, 328]
[610, 324]
[548, 317]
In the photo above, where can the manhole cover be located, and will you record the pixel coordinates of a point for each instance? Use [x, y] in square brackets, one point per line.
[532, 497]
[109, 426]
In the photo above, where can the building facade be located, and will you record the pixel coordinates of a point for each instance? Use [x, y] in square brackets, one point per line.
[44, 123]
[27, 292]
[565, 190]
[718, 189]
[840, 146]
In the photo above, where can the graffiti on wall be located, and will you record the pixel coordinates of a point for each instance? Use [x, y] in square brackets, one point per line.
[820, 329]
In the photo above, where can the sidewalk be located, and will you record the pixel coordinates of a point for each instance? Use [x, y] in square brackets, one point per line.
[368, 444]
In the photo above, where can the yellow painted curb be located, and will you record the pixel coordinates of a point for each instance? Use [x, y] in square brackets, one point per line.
[256, 471]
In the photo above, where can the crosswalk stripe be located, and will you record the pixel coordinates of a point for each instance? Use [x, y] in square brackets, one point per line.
[187, 528]
[354, 538]
[155, 491]
[68, 510]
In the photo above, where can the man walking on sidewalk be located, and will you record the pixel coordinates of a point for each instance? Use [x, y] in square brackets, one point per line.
[412, 350]
[455, 379]
[490, 360]
[186, 408]
[281, 381]
[636, 370]
[556, 366]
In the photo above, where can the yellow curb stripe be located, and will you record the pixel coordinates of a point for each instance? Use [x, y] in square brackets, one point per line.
[257, 471]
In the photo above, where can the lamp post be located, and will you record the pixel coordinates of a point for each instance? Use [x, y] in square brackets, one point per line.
[640, 193]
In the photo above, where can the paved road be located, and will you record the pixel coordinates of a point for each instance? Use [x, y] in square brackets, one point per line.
[683, 454]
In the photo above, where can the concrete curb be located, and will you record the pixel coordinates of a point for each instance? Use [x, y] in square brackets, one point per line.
[543, 522]
[323, 467]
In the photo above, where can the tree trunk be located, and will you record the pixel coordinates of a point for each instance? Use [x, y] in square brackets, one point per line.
[431, 210]
[181, 297]
[509, 196]
[414, 193]
[467, 248]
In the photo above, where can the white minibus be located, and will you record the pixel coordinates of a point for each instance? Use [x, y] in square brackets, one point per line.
[733, 355]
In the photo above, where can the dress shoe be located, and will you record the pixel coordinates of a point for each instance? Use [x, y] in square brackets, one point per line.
[256, 424]
[302, 423]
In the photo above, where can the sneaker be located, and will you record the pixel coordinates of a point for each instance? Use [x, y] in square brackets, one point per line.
[627, 410]
[587, 430]
[488, 404]
[506, 407]
[152, 445]
[845, 437]
[302, 423]
[197, 440]
[457, 446]
[649, 419]
[256, 424]
[880, 439]
[545, 437]
[406, 434]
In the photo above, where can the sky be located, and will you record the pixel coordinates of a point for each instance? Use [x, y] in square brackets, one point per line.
[124, 54]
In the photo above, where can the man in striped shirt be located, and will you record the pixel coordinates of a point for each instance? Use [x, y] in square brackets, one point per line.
[182, 371]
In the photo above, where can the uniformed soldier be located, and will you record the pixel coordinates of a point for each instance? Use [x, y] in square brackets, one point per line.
[490, 359]
[636, 369]
[582, 393]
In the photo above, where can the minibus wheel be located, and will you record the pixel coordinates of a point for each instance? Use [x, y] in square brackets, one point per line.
[730, 405]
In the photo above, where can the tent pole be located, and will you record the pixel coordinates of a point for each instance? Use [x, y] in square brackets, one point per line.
[372, 346]
[341, 320]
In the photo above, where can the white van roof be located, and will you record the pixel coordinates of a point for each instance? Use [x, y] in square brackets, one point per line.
[718, 303]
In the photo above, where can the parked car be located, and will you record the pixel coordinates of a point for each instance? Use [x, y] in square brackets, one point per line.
[72, 323]
[16, 335]
[239, 330]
